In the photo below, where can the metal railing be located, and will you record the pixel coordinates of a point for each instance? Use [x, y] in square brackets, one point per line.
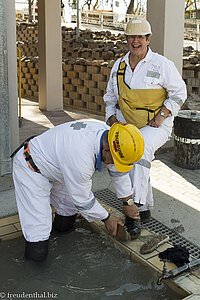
[103, 19]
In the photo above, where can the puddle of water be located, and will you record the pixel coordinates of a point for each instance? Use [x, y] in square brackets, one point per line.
[81, 265]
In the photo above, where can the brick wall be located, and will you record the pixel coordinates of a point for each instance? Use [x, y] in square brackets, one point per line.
[29, 78]
[84, 83]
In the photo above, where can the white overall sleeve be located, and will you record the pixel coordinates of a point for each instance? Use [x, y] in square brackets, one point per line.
[175, 87]
[79, 182]
[121, 182]
[111, 98]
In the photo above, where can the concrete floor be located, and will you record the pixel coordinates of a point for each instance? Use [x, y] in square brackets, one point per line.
[176, 190]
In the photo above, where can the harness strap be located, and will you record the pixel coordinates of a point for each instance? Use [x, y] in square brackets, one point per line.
[20, 146]
[29, 159]
[138, 106]
[149, 111]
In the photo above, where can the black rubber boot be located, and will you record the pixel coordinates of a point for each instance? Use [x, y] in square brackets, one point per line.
[133, 227]
[145, 216]
[63, 223]
[36, 250]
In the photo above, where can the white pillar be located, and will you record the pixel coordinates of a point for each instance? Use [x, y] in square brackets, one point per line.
[167, 21]
[50, 55]
[12, 73]
[9, 136]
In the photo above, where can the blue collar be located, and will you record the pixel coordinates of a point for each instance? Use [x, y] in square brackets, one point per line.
[98, 161]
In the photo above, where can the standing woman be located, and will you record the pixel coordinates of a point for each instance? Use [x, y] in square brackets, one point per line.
[144, 89]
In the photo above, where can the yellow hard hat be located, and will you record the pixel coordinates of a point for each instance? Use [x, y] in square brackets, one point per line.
[126, 145]
[138, 26]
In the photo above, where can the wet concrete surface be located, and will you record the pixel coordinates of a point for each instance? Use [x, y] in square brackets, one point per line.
[81, 265]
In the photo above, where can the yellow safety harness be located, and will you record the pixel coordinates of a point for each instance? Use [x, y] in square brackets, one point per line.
[138, 106]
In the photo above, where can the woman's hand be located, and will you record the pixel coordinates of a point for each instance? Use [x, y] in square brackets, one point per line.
[156, 121]
[112, 120]
[159, 118]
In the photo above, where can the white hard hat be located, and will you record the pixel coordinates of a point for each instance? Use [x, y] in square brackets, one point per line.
[138, 26]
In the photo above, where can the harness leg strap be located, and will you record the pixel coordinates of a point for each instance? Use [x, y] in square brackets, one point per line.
[29, 159]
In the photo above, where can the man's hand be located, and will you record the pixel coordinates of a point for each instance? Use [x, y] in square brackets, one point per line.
[132, 211]
[111, 225]
[112, 120]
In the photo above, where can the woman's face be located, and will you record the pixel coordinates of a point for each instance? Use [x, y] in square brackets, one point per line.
[138, 45]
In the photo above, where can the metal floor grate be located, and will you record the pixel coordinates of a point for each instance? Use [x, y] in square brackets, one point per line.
[109, 198]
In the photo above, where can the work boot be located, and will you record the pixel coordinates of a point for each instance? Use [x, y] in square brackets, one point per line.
[63, 223]
[145, 216]
[133, 227]
[36, 250]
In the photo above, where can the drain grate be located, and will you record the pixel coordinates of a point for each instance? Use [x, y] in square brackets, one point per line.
[109, 198]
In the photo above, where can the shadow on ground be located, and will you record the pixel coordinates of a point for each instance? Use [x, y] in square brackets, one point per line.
[189, 175]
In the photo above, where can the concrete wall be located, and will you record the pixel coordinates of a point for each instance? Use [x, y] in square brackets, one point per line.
[167, 21]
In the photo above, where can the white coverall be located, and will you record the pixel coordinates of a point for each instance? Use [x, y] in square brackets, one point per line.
[152, 72]
[66, 156]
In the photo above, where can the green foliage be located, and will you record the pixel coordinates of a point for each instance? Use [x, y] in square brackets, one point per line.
[191, 5]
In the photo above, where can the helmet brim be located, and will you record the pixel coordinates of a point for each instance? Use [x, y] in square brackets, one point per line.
[120, 167]
[138, 33]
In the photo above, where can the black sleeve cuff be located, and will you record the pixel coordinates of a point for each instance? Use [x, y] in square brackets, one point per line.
[104, 220]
